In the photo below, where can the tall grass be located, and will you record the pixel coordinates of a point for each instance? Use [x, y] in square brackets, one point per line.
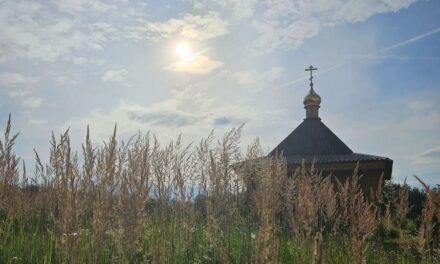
[144, 202]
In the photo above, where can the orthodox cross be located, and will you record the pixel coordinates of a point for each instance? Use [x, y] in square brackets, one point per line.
[311, 69]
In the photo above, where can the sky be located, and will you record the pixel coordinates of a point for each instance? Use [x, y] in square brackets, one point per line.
[189, 66]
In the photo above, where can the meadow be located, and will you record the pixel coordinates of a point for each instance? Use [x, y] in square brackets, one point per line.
[209, 202]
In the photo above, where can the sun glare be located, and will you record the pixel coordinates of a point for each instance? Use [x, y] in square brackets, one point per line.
[183, 50]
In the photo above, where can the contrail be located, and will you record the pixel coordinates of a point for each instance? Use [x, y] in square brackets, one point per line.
[368, 55]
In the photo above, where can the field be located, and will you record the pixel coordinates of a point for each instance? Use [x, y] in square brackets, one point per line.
[210, 202]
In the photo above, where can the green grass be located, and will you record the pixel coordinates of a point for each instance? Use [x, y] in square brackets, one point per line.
[35, 244]
[26, 246]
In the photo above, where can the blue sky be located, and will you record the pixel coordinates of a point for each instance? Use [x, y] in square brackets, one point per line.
[69, 63]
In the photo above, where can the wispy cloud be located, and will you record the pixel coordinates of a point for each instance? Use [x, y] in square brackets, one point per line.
[115, 75]
[166, 124]
[25, 35]
[41, 31]
[240, 9]
[197, 63]
[12, 78]
[431, 156]
[198, 27]
[165, 118]
[286, 24]
[26, 99]
[183, 112]
[31, 102]
[259, 80]
[17, 87]
[272, 36]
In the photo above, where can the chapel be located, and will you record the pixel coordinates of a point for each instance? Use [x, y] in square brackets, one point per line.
[312, 142]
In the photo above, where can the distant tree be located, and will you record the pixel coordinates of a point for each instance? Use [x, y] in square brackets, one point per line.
[200, 208]
[416, 199]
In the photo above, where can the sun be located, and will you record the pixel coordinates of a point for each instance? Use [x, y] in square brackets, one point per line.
[183, 50]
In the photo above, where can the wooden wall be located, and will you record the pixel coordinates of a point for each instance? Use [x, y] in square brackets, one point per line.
[371, 172]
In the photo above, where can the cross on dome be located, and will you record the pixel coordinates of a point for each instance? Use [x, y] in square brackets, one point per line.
[311, 69]
[312, 100]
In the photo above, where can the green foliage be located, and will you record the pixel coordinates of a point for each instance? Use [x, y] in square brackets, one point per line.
[394, 233]
[26, 246]
[36, 246]
[416, 198]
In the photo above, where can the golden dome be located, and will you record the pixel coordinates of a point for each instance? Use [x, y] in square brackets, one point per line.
[312, 98]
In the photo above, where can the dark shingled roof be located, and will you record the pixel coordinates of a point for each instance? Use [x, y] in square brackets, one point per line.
[313, 142]
[311, 137]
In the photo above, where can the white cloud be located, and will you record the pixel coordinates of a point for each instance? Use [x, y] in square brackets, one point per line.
[33, 31]
[259, 80]
[131, 118]
[272, 36]
[165, 118]
[333, 10]
[419, 105]
[67, 79]
[24, 98]
[39, 122]
[115, 75]
[9, 78]
[185, 112]
[197, 4]
[18, 93]
[286, 24]
[71, 5]
[31, 102]
[240, 8]
[79, 60]
[76, 6]
[355, 11]
[165, 124]
[100, 6]
[431, 156]
[198, 64]
[190, 26]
